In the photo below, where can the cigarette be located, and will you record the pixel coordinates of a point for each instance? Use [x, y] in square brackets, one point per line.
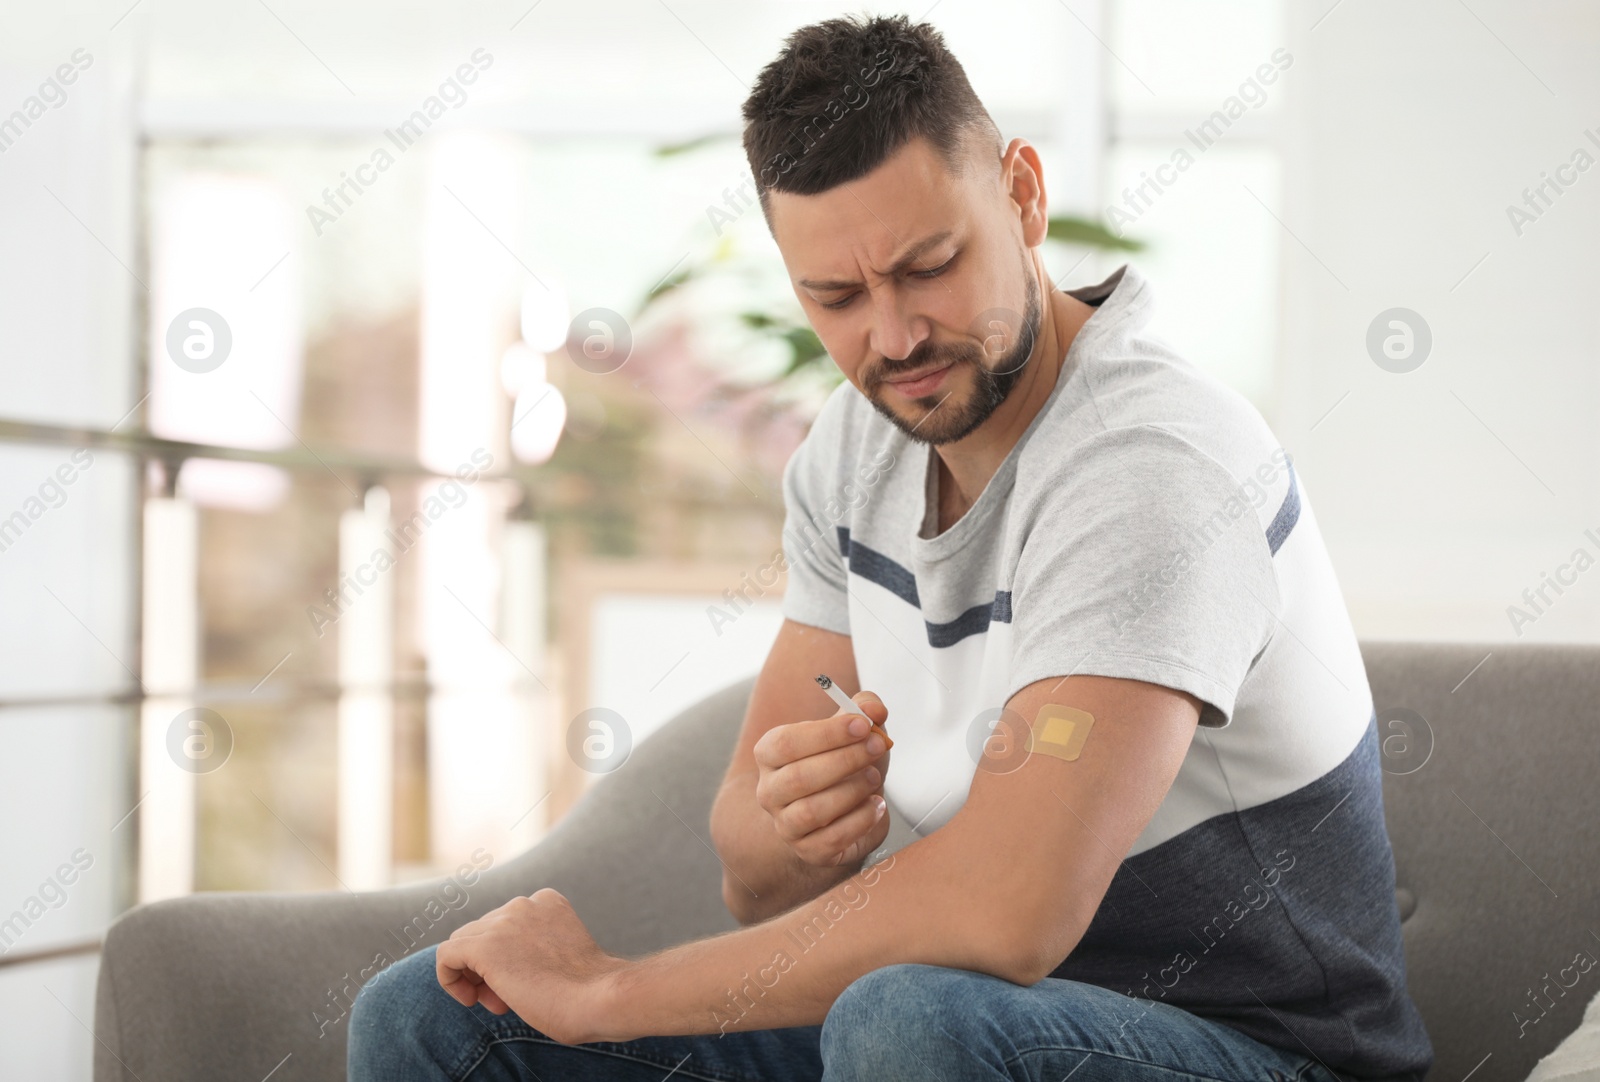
[849, 706]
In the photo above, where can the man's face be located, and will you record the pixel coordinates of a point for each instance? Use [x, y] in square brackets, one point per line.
[915, 271]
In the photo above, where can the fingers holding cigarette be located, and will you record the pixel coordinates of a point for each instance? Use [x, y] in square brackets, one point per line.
[821, 780]
[848, 706]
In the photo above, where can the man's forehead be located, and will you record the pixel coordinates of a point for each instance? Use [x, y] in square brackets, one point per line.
[909, 252]
[909, 203]
[840, 248]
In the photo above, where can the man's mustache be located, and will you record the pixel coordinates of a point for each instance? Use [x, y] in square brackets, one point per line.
[921, 358]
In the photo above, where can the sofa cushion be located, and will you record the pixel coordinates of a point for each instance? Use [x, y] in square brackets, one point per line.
[1490, 799]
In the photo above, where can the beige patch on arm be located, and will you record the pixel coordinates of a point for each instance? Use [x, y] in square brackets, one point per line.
[1060, 731]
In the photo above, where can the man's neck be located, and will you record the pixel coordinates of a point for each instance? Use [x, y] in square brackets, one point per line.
[966, 465]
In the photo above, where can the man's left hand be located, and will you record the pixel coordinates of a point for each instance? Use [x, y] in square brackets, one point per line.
[535, 957]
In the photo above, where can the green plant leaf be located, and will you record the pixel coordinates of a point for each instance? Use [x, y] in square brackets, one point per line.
[1089, 233]
[667, 285]
[669, 150]
[806, 349]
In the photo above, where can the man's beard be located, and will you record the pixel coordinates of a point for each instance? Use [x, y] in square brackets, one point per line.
[946, 422]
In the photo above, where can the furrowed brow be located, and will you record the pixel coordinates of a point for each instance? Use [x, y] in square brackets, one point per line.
[912, 255]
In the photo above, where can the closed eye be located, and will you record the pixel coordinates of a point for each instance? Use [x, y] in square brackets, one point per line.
[931, 272]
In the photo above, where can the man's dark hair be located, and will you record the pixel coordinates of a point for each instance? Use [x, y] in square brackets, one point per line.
[846, 93]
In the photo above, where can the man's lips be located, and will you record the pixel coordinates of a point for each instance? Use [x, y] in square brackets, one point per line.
[919, 383]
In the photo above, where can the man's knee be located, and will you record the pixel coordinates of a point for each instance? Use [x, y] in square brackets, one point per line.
[901, 1021]
[397, 1017]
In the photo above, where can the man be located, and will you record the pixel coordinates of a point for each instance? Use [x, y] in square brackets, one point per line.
[1089, 598]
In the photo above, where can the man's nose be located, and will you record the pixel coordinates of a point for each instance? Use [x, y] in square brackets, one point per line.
[895, 331]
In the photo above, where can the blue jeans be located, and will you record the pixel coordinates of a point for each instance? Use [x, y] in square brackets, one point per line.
[918, 1022]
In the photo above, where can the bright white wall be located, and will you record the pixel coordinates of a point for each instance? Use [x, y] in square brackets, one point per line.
[66, 232]
[652, 657]
[1411, 128]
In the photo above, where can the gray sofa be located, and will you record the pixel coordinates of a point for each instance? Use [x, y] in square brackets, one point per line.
[1495, 844]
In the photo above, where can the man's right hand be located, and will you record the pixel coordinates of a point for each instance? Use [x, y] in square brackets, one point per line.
[822, 783]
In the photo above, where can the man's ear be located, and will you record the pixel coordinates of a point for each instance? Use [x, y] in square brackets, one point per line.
[1023, 174]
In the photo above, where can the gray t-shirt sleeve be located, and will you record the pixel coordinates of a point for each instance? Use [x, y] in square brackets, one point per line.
[1140, 560]
[815, 592]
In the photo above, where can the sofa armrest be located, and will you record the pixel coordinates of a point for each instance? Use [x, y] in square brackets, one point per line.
[230, 985]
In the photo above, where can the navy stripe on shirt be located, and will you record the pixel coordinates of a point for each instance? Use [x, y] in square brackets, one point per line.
[1283, 522]
[875, 567]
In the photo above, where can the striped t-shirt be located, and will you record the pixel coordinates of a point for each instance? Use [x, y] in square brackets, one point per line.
[1146, 525]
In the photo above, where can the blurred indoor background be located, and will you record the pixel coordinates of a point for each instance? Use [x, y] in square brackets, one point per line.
[393, 397]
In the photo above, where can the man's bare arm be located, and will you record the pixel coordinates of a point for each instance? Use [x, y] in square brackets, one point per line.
[762, 875]
[1007, 887]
